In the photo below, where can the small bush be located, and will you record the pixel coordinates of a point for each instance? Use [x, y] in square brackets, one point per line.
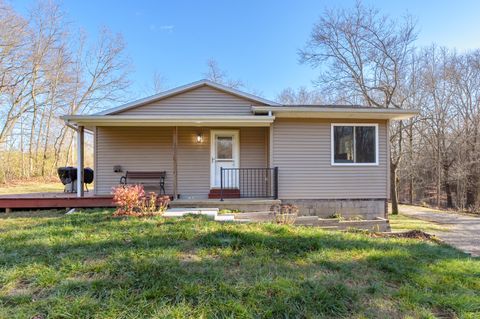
[285, 214]
[130, 200]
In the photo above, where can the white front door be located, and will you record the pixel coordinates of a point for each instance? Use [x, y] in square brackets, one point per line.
[225, 152]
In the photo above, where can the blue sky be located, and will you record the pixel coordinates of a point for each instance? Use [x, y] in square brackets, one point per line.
[255, 41]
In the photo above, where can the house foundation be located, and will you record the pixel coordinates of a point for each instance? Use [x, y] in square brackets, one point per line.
[347, 208]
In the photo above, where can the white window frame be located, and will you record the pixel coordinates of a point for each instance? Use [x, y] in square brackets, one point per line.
[332, 144]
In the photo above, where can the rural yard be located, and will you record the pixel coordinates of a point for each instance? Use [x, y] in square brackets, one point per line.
[91, 264]
[239, 159]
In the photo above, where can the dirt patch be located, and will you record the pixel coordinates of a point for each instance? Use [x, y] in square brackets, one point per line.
[412, 234]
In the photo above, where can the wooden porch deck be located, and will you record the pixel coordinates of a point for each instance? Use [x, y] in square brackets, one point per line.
[70, 200]
[54, 200]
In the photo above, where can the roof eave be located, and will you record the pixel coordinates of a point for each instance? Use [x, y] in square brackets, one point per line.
[123, 120]
[333, 112]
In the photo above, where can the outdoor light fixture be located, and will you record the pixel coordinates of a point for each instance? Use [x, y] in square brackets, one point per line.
[199, 138]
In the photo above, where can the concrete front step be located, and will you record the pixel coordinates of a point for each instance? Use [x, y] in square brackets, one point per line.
[225, 218]
[180, 212]
[209, 212]
[241, 204]
[255, 216]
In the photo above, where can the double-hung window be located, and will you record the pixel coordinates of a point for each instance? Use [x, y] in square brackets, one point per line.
[354, 144]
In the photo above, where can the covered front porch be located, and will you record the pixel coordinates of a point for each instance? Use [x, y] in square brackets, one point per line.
[202, 159]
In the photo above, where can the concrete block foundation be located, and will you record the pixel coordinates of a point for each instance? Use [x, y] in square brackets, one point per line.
[347, 208]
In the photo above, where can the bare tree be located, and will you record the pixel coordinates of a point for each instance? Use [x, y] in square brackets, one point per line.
[158, 82]
[363, 54]
[13, 69]
[99, 78]
[300, 96]
[45, 72]
[440, 115]
[466, 77]
[216, 74]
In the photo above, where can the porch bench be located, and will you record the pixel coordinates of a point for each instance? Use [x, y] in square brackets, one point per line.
[145, 179]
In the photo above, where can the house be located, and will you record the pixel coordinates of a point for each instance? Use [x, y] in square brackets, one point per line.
[213, 141]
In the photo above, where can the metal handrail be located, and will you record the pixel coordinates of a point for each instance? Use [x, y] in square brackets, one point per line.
[255, 182]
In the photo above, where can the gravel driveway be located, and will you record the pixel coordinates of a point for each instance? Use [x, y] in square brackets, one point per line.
[464, 232]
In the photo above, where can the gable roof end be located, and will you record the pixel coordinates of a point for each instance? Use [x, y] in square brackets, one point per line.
[185, 88]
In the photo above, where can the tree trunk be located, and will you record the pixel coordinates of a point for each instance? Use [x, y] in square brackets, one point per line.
[30, 142]
[393, 188]
[410, 190]
[446, 184]
[471, 191]
[411, 177]
[45, 146]
[41, 125]
[22, 151]
[439, 172]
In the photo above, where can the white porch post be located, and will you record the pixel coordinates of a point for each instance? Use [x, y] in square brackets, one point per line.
[80, 160]
[175, 173]
[270, 146]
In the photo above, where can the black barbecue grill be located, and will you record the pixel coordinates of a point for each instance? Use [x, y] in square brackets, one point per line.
[68, 177]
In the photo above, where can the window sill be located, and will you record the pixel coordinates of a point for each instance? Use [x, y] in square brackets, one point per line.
[354, 164]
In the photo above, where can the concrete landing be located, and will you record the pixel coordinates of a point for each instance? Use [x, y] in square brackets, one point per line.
[241, 204]
[209, 212]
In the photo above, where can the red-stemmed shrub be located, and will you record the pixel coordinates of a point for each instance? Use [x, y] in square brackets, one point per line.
[130, 200]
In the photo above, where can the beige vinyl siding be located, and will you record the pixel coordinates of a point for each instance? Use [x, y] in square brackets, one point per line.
[135, 149]
[302, 151]
[253, 150]
[150, 148]
[200, 101]
[193, 163]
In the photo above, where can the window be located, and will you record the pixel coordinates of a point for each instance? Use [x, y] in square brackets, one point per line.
[354, 144]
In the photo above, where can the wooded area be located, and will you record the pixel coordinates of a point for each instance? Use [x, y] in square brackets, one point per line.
[370, 59]
[48, 69]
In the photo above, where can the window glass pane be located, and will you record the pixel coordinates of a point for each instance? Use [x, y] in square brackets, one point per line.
[224, 147]
[343, 144]
[365, 144]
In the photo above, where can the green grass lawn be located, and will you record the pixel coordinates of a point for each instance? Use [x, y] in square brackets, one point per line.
[404, 223]
[31, 187]
[91, 265]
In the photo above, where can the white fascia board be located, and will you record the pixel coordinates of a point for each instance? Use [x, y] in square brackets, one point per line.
[333, 112]
[122, 120]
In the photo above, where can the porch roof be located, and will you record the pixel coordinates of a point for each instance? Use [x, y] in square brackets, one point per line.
[136, 120]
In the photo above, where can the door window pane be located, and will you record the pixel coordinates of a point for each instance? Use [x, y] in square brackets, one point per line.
[365, 144]
[343, 144]
[224, 147]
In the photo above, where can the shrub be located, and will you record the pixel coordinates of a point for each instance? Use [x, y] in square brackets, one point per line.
[285, 214]
[130, 200]
[154, 204]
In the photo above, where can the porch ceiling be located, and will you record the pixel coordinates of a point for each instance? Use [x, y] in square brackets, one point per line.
[135, 120]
